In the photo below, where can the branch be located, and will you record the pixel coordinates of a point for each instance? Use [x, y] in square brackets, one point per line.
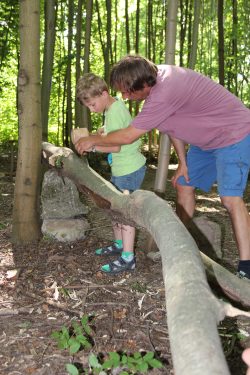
[193, 312]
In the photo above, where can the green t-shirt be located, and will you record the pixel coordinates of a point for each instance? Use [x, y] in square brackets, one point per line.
[129, 159]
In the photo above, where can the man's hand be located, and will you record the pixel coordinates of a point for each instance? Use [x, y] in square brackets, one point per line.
[85, 144]
[180, 171]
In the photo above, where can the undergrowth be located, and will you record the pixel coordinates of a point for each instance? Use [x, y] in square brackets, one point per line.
[78, 337]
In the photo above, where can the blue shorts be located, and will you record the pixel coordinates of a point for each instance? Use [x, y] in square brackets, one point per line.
[229, 166]
[130, 181]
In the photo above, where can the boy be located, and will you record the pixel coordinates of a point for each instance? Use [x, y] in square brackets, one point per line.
[128, 164]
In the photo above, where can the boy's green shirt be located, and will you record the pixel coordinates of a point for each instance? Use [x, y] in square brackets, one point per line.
[129, 159]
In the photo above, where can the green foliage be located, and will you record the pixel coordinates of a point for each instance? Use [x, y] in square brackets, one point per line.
[139, 287]
[78, 337]
[126, 365]
[151, 44]
[75, 338]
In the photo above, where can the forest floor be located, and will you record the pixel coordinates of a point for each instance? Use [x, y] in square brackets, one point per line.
[49, 285]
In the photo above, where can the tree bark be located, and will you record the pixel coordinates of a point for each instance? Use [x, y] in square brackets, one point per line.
[221, 60]
[193, 312]
[48, 58]
[165, 144]
[26, 224]
[196, 23]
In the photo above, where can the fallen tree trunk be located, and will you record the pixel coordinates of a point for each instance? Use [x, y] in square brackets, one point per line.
[193, 312]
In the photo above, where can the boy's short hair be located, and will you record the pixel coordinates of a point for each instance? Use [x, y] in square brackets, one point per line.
[132, 72]
[90, 86]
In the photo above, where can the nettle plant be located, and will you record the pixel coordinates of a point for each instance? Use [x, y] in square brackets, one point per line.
[78, 337]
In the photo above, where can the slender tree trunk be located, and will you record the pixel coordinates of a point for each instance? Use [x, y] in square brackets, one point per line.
[78, 107]
[127, 27]
[149, 30]
[235, 47]
[165, 144]
[48, 57]
[108, 49]
[221, 42]
[196, 23]
[183, 27]
[137, 26]
[69, 121]
[26, 225]
[89, 10]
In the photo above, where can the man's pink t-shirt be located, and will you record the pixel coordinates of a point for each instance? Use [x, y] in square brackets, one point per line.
[191, 107]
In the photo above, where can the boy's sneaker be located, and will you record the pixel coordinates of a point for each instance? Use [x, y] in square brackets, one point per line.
[243, 275]
[118, 266]
[113, 249]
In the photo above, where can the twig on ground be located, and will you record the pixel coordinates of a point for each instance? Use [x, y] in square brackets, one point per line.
[54, 304]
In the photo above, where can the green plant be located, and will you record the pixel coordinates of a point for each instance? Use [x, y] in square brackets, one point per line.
[128, 364]
[3, 225]
[75, 337]
[78, 337]
[139, 287]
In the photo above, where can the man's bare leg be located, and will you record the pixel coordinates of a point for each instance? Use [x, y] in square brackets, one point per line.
[185, 203]
[240, 220]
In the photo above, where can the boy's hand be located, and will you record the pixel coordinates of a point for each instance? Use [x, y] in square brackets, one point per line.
[85, 144]
[100, 131]
[78, 133]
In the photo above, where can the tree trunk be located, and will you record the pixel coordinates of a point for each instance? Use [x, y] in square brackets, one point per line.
[235, 48]
[165, 145]
[49, 45]
[69, 121]
[196, 22]
[89, 10]
[127, 27]
[137, 26]
[220, 9]
[193, 312]
[26, 226]
[79, 120]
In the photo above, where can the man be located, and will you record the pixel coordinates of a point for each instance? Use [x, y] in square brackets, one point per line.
[194, 110]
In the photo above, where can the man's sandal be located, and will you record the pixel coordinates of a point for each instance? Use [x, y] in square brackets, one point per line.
[242, 275]
[109, 250]
[118, 265]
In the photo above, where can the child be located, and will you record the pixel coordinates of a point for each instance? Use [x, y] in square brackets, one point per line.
[128, 164]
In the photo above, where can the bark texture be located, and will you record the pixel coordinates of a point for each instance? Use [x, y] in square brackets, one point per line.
[26, 223]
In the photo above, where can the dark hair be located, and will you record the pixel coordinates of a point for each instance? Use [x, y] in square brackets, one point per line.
[132, 72]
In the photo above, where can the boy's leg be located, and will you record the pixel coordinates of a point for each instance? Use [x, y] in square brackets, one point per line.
[117, 247]
[126, 262]
[128, 237]
[117, 229]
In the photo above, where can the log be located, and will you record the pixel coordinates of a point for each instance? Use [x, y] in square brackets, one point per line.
[193, 312]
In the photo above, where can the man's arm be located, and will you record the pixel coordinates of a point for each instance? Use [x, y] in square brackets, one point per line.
[182, 170]
[117, 138]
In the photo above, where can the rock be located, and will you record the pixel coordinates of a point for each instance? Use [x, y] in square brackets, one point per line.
[65, 230]
[60, 198]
